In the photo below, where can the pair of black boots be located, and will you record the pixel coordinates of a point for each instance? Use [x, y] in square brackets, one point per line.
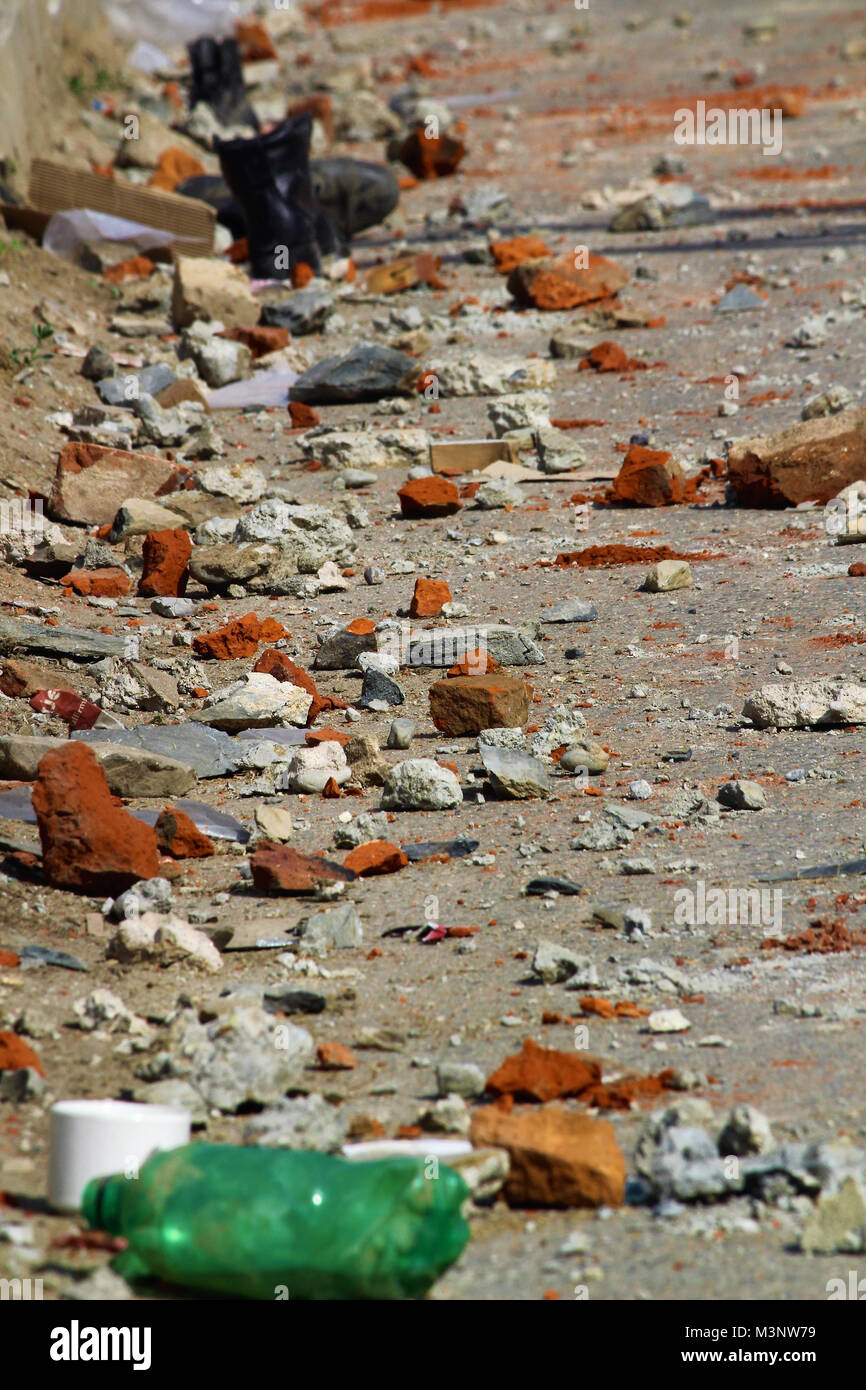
[289, 208]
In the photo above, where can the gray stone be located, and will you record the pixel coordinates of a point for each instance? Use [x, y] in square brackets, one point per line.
[308, 1123]
[138, 515]
[499, 492]
[508, 645]
[338, 928]
[747, 1131]
[125, 390]
[366, 373]
[738, 299]
[374, 574]
[156, 939]
[502, 738]
[244, 1056]
[339, 651]
[553, 963]
[420, 784]
[218, 361]
[209, 752]
[98, 364]
[837, 1222]
[742, 796]
[57, 641]
[168, 607]
[460, 1079]
[255, 701]
[515, 774]
[668, 575]
[149, 895]
[572, 610]
[128, 771]
[584, 754]
[602, 836]
[825, 703]
[401, 733]
[379, 687]
[450, 1115]
[305, 311]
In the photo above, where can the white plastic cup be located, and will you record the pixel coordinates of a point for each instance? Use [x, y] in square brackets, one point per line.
[99, 1138]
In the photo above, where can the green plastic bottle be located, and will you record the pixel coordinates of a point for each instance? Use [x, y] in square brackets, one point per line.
[278, 1223]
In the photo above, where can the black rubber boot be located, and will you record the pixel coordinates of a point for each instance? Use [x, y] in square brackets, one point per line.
[280, 213]
[218, 80]
[287, 149]
[353, 194]
[356, 195]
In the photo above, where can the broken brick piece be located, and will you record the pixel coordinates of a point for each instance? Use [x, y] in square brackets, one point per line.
[280, 869]
[556, 1158]
[429, 496]
[648, 478]
[235, 639]
[542, 1074]
[178, 835]
[88, 842]
[303, 417]
[811, 461]
[16, 1055]
[333, 1056]
[468, 704]
[105, 583]
[135, 268]
[477, 663]
[260, 339]
[428, 598]
[165, 560]
[558, 283]
[375, 857]
[173, 166]
[433, 157]
[511, 253]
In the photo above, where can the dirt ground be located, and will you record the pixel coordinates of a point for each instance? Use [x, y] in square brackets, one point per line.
[658, 672]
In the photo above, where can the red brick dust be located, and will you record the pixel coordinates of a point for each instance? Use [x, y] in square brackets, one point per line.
[606, 1008]
[605, 556]
[823, 937]
[838, 639]
[178, 836]
[88, 842]
[165, 564]
[15, 1055]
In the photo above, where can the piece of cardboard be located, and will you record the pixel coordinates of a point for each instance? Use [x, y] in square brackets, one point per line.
[470, 455]
[56, 188]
